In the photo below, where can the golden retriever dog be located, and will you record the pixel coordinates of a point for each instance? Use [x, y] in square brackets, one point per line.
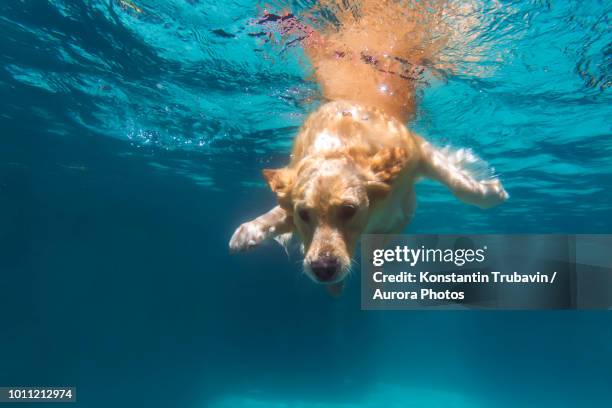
[354, 161]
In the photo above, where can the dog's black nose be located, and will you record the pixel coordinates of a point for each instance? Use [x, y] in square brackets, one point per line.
[325, 268]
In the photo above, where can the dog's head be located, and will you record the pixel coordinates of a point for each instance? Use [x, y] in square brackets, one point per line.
[331, 200]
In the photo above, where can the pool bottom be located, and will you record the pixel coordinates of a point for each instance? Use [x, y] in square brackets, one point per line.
[382, 395]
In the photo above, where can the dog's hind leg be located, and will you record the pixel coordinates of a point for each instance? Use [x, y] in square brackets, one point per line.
[451, 170]
[269, 225]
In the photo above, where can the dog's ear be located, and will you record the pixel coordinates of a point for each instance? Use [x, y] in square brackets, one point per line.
[384, 168]
[281, 183]
[377, 189]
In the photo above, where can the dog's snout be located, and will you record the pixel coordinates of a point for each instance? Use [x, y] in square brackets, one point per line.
[325, 268]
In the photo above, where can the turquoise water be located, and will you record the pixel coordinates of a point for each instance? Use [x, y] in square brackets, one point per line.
[132, 144]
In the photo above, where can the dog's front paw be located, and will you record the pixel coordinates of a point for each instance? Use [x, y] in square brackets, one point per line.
[494, 193]
[247, 236]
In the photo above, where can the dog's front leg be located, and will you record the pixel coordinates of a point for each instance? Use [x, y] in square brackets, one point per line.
[440, 166]
[252, 233]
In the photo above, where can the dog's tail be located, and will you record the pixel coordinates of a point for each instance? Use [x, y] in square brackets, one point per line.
[377, 52]
[402, 35]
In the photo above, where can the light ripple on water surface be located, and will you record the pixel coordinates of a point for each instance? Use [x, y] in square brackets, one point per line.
[530, 92]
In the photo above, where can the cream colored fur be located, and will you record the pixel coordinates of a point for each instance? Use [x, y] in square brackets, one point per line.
[354, 162]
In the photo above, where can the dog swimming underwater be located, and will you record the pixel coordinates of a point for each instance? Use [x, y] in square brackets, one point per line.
[354, 161]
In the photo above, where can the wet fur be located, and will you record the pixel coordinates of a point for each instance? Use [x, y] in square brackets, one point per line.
[355, 150]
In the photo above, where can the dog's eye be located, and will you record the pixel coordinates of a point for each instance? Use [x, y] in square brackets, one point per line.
[347, 211]
[303, 213]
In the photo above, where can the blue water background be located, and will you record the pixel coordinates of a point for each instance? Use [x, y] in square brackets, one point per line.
[132, 145]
